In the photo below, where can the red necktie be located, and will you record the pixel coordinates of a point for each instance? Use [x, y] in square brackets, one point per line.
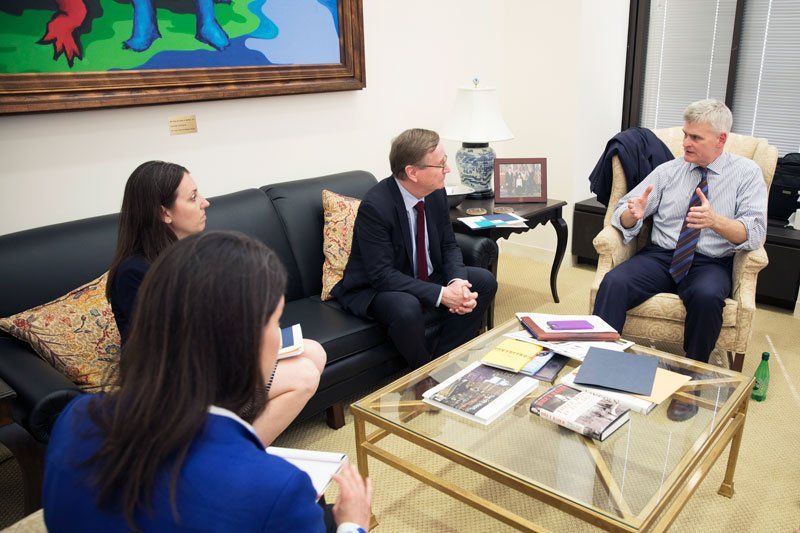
[422, 257]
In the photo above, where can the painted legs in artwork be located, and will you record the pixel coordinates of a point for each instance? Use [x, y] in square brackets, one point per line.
[61, 29]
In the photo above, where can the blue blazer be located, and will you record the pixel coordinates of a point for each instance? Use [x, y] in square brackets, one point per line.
[227, 483]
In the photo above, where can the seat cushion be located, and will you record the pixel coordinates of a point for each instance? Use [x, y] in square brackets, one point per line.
[339, 332]
[666, 306]
[76, 334]
[340, 218]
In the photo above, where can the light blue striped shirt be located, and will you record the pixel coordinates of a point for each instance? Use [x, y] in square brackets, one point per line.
[736, 190]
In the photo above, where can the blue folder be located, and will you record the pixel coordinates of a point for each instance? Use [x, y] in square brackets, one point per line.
[626, 372]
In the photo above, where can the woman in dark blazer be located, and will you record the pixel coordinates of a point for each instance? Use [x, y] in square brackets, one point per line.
[165, 449]
[162, 205]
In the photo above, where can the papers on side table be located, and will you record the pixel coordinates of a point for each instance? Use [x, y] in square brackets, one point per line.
[499, 220]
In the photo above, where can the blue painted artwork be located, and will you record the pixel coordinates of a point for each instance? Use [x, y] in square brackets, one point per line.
[113, 35]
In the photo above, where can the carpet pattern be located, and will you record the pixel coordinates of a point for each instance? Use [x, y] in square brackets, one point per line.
[767, 481]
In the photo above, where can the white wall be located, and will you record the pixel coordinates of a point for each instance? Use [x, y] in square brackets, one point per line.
[542, 56]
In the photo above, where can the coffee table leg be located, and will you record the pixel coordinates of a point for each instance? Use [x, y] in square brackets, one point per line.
[561, 232]
[361, 437]
[361, 456]
[726, 489]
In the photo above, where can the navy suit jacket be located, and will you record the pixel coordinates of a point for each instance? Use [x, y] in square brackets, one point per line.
[381, 256]
[639, 151]
[227, 483]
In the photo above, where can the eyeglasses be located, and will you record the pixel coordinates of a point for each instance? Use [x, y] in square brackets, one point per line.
[442, 166]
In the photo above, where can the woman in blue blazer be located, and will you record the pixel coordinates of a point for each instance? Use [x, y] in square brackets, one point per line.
[165, 450]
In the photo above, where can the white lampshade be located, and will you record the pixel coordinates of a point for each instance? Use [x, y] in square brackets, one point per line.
[476, 117]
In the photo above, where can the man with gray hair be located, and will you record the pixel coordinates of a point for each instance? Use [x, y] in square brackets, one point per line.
[705, 206]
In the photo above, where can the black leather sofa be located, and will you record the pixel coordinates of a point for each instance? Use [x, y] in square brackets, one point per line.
[41, 264]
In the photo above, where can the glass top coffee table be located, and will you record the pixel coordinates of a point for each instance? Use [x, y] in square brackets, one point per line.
[638, 479]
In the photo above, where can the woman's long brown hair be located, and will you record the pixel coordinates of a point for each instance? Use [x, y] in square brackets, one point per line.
[194, 342]
[142, 231]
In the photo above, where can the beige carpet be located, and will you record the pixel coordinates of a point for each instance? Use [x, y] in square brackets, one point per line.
[767, 477]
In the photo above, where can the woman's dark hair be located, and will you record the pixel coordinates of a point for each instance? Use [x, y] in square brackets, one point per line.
[194, 342]
[141, 229]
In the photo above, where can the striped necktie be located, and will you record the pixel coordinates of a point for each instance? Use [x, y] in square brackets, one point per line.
[683, 255]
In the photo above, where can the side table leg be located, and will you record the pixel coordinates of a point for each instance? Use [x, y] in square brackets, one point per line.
[561, 232]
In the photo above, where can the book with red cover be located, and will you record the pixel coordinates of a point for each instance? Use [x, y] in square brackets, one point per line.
[534, 329]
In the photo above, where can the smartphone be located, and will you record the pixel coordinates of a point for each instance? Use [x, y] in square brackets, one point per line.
[559, 325]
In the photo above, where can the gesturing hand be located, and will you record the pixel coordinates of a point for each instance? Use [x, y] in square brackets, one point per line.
[638, 205]
[703, 215]
[354, 503]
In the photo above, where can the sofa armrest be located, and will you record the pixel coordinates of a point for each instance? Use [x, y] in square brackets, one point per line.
[477, 251]
[42, 392]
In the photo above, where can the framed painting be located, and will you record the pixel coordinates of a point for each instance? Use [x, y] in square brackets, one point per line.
[520, 180]
[82, 54]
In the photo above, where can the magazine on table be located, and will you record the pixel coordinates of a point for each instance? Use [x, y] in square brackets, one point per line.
[320, 466]
[291, 342]
[499, 220]
[572, 349]
[480, 393]
[583, 412]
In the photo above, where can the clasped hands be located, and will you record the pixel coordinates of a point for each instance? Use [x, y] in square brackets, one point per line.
[698, 217]
[458, 298]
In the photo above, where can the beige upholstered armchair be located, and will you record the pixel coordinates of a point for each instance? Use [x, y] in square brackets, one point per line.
[661, 317]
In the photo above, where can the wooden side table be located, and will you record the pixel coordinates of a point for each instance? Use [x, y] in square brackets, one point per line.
[533, 213]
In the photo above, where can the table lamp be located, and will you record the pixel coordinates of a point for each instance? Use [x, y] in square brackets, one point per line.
[476, 121]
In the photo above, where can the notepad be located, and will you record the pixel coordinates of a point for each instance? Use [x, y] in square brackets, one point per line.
[320, 466]
[291, 342]
[621, 371]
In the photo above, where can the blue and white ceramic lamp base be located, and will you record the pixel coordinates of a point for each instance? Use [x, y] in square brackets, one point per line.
[475, 163]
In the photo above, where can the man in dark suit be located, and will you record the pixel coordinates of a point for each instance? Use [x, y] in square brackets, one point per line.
[405, 269]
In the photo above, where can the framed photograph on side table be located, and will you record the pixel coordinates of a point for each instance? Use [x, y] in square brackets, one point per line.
[520, 180]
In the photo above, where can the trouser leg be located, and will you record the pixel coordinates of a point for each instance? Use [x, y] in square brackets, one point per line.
[703, 292]
[459, 329]
[633, 282]
[403, 317]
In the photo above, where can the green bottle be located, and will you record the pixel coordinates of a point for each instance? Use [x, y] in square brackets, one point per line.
[759, 393]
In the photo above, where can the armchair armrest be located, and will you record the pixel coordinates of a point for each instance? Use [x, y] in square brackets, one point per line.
[746, 266]
[477, 251]
[609, 242]
[42, 392]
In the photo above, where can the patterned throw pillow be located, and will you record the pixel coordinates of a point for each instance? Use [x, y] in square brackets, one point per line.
[337, 233]
[76, 334]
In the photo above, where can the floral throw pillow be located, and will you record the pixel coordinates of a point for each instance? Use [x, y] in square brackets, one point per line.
[337, 237]
[75, 333]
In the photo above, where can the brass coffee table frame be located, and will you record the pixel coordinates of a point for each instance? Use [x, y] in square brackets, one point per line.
[657, 515]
